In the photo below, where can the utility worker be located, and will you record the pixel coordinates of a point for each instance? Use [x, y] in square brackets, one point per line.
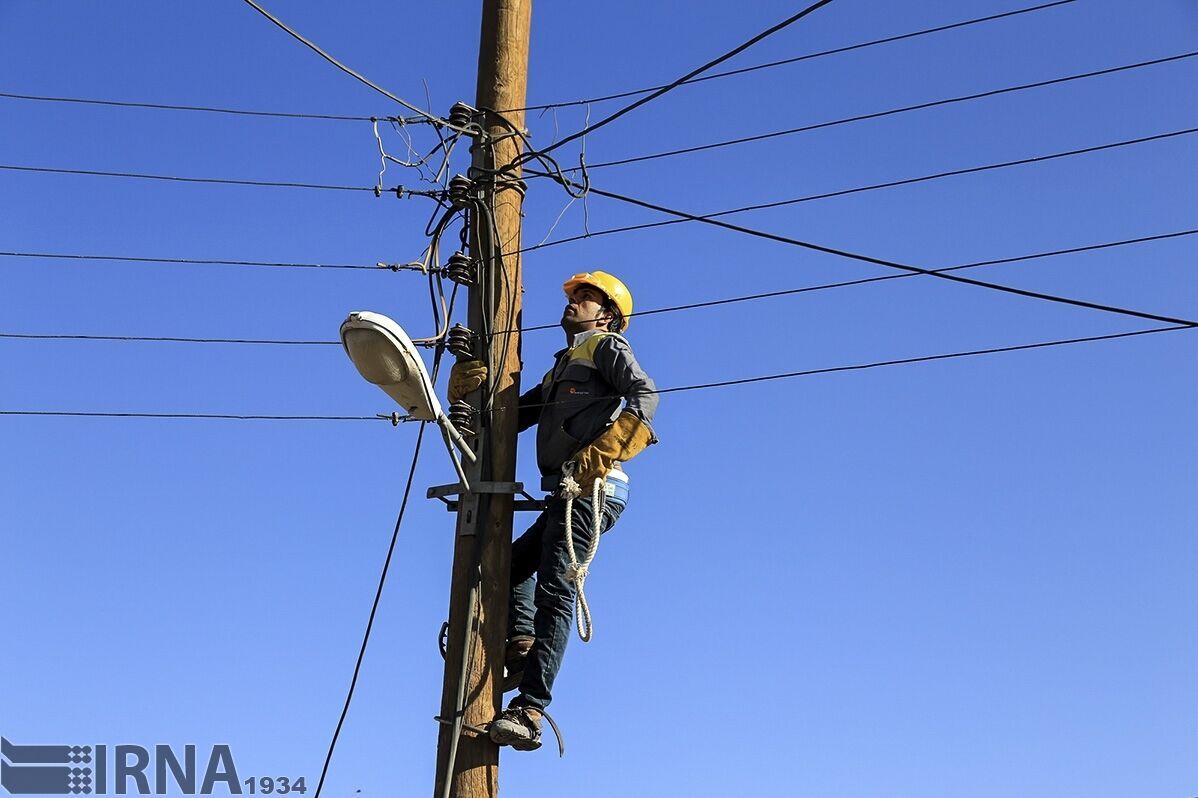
[593, 408]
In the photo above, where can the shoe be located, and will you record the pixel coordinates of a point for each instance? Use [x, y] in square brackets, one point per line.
[519, 727]
[514, 659]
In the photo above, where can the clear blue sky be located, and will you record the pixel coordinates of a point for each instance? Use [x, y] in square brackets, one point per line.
[969, 577]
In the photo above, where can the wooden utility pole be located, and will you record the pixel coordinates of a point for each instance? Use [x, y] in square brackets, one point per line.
[482, 552]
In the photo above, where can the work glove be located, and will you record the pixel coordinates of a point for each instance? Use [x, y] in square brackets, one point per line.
[466, 376]
[623, 440]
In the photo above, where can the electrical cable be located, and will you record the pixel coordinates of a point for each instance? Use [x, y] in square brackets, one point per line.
[649, 312]
[698, 386]
[888, 263]
[884, 277]
[548, 106]
[362, 78]
[87, 414]
[806, 57]
[923, 359]
[166, 339]
[203, 108]
[881, 364]
[693, 73]
[432, 256]
[875, 186]
[399, 190]
[880, 114]
[213, 262]
[493, 247]
[378, 594]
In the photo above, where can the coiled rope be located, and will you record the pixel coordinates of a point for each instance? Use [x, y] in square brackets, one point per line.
[576, 571]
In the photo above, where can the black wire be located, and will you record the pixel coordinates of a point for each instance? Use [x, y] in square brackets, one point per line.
[693, 73]
[496, 257]
[201, 108]
[708, 303]
[312, 46]
[707, 385]
[878, 364]
[806, 57]
[204, 262]
[882, 278]
[874, 186]
[880, 114]
[224, 181]
[373, 611]
[652, 311]
[889, 263]
[188, 415]
[922, 359]
[548, 106]
[486, 234]
[168, 339]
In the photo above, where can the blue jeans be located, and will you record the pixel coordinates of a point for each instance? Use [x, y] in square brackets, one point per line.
[544, 606]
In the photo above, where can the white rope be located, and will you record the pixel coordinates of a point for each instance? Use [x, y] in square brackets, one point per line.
[576, 572]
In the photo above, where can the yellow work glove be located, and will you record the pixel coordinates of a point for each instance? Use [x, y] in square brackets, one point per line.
[623, 440]
[464, 377]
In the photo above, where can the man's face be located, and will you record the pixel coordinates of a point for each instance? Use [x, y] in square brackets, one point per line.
[584, 310]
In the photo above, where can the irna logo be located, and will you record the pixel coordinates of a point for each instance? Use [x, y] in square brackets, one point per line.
[129, 770]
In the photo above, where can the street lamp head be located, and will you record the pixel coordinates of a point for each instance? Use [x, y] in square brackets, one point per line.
[386, 357]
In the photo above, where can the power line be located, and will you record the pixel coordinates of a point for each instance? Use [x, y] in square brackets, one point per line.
[204, 109]
[398, 190]
[651, 311]
[875, 186]
[693, 73]
[677, 389]
[902, 266]
[83, 414]
[211, 262]
[166, 339]
[362, 78]
[547, 106]
[878, 261]
[374, 607]
[806, 57]
[921, 359]
[880, 114]
[886, 363]
[884, 277]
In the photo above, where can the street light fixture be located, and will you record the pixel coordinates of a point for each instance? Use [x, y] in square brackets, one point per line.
[385, 356]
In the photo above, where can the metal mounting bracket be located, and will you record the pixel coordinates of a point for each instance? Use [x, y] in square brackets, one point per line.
[528, 502]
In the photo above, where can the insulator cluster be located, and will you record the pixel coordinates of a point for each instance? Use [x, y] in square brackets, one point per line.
[460, 268]
[461, 415]
[461, 115]
[460, 188]
[460, 342]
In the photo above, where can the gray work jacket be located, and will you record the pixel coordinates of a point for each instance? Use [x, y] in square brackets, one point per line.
[590, 384]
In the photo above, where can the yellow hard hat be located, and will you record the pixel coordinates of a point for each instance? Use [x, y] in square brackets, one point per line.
[611, 287]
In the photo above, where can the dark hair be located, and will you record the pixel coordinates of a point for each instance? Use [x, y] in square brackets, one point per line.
[618, 321]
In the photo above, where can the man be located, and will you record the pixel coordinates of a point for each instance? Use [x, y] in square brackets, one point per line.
[593, 408]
